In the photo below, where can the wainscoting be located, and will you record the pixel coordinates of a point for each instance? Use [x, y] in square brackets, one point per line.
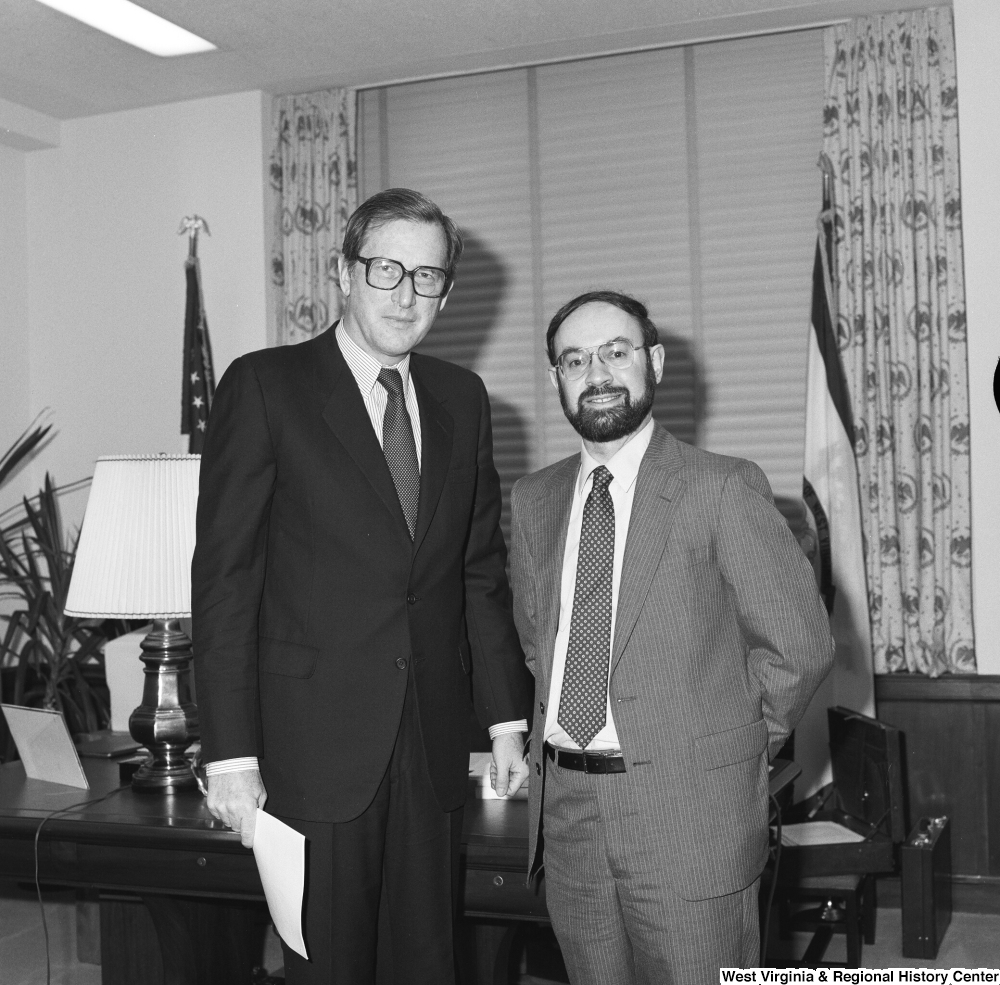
[951, 750]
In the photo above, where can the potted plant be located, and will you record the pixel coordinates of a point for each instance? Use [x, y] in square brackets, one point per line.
[49, 659]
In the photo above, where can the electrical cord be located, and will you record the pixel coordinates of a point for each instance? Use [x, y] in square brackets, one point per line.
[38, 885]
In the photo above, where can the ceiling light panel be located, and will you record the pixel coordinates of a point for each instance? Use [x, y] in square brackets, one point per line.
[133, 24]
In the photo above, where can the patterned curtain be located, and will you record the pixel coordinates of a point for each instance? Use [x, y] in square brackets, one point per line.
[891, 141]
[314, 175]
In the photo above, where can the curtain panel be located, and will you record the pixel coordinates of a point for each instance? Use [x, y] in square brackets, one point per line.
[891, 142]
[313, 175]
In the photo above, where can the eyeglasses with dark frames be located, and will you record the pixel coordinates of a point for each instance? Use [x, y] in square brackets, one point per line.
[616, 354]
[385, 274]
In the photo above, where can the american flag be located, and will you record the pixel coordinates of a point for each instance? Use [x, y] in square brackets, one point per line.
[198, 384]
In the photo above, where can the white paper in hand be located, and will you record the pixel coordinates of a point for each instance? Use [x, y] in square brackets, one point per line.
[280, 852]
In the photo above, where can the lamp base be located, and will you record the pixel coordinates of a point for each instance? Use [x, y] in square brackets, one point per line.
[166, 722]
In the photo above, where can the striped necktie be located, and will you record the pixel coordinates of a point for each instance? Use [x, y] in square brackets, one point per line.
[399, 447]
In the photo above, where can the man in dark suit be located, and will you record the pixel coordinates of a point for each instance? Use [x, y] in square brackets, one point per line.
[348, 580]
[676, 635]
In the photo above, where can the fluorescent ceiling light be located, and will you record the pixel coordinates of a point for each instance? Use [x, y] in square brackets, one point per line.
[133, 24]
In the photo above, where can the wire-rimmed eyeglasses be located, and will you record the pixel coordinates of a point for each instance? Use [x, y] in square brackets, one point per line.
[385, 274]
[617, 354]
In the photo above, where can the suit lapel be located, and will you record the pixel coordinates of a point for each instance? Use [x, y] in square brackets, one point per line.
[436, 431]
[659, 487]
[549, 524]
[347, 417]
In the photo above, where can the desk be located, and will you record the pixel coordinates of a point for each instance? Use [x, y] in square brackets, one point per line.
[164, 863]
[200, 887]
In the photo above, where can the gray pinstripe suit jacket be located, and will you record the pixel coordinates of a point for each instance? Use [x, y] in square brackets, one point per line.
[720, 641]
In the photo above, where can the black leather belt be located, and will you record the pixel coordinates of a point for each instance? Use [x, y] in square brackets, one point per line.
[586, 762]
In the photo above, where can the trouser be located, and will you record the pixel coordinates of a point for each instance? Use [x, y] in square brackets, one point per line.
[402, 852]
[615, 915]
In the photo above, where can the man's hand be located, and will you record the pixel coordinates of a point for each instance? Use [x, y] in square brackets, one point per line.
[234, 798]
[508, 769]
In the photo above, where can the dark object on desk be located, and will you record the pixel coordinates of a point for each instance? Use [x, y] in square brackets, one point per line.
[925, 861]
[166, 722]
[106, 744]
[128, 767]
[830, 888]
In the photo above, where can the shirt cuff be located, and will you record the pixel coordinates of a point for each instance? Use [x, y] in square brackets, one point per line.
[240, 765]
[505, 728]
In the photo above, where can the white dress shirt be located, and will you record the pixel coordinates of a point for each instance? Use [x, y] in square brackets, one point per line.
[624, 467]
[365, 369]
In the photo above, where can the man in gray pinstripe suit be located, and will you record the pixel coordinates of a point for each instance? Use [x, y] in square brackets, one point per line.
[676, 635]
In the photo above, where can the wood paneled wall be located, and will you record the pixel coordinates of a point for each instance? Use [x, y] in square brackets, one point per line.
[952, 767]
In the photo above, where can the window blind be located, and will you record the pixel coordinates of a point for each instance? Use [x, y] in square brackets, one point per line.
[612, 167]
[758, 109]
[464, 143]
[685, 176]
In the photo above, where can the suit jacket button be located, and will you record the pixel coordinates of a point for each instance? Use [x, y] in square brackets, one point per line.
[401, 663]
[538, 768]
[541, 707]
[411, 599]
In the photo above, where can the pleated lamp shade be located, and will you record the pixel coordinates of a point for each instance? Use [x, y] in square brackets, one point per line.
[134, 556]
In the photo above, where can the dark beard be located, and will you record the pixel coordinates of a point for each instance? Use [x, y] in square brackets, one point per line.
[601, 426]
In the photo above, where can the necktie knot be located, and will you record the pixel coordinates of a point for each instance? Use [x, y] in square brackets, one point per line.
[392, 381]
[602, 479]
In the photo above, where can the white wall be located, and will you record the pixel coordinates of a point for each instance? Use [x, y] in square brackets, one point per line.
[15, 401]
[977, 32]
[106, 270]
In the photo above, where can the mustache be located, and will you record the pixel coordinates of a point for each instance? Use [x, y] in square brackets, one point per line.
[602, 391]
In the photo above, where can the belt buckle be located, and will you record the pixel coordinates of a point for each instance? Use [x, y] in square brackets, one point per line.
[593, 764]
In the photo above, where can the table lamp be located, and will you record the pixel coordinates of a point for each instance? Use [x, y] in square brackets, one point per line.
[133, 561]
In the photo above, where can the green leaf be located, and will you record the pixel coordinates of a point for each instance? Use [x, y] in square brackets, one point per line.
[14, 624]
[21, 448]
[36, 568]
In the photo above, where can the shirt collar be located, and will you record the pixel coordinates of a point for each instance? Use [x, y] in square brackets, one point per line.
[624, 464]
[364, 366]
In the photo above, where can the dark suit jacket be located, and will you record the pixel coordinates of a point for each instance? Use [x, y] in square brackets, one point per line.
[720, 641]
[311, 603]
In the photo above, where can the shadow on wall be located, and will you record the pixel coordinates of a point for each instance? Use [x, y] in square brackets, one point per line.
[682, 399]
[682, 394]
[459, 335]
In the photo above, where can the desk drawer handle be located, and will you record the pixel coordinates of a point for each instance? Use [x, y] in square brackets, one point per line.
[498, 881]
[203, 861]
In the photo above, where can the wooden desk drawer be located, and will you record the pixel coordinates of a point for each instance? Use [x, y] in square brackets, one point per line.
[215, 873]
[503, 893]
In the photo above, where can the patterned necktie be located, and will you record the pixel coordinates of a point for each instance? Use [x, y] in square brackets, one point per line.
[583, 702]
[399, 447]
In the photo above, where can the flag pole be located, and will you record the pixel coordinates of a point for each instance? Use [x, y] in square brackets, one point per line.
[198, 377]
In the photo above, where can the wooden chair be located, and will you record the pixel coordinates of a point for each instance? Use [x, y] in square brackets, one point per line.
[829, 887]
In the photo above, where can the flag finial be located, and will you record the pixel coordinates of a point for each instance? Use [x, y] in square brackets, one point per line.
[192, 225]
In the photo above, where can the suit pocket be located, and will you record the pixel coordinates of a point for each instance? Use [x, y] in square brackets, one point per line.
[695, 556]
[735, 745]
[287, 659]
[466, 474]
